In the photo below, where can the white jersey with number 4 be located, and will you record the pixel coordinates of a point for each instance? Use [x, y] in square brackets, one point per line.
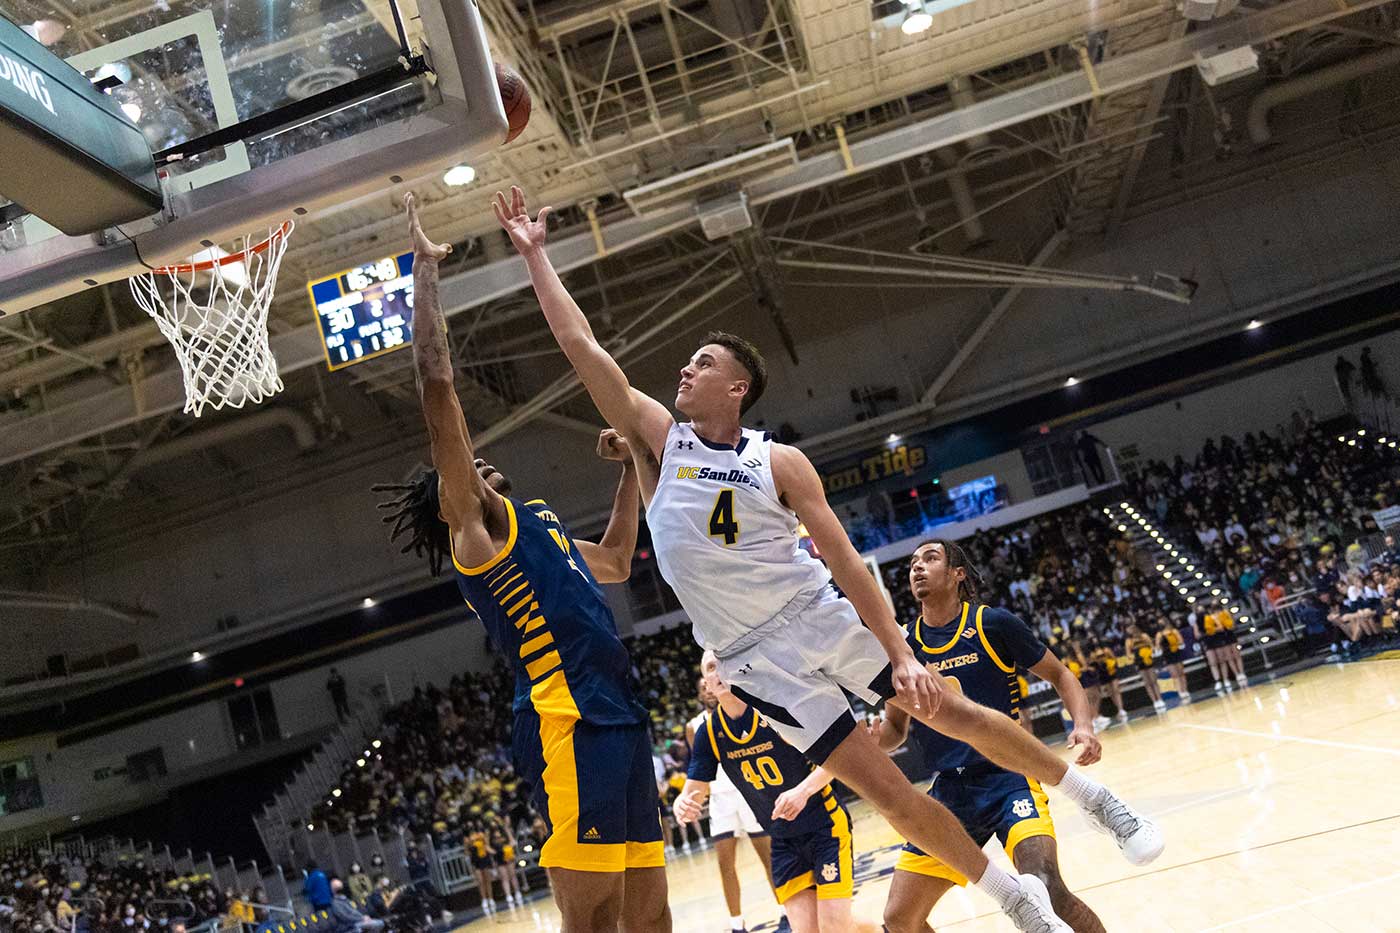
[723, 540]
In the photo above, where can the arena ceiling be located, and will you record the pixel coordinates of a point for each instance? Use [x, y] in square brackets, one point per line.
[1008, 130]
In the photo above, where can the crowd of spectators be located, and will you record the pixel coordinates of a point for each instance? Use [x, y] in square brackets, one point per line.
[441, 765]
[63, 895]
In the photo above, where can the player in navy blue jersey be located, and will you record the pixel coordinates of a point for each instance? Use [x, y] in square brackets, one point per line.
[793, 801]
[580, 737]
[979, 651]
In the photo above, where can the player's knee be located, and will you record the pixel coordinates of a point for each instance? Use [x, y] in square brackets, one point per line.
[900, 918]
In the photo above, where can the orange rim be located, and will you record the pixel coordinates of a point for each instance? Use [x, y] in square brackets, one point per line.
[185, 268]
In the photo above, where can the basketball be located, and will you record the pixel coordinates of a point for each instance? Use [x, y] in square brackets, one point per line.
[515, 97]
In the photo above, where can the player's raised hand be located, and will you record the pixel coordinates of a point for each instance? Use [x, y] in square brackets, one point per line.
[790, 803]
[527, 235]
[687, 806]
[613, 446]
[423, 248]
[918, 689]
[1091, 749]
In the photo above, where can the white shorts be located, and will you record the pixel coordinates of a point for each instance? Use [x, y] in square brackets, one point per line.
[794, 676]
[729, 813]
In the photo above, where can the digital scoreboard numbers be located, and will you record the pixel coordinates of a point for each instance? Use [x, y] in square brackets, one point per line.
[366, 311]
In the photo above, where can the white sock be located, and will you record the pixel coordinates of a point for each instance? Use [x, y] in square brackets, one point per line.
[998, 885]
[736, 923]
[1078, 787]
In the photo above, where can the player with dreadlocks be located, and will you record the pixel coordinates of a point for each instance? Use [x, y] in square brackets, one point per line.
[979, 650]
[580, 739]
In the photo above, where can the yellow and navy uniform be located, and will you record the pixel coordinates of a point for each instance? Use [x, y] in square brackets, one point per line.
[1219, 629]
[978, 653]
[1140, 648]
[1172, 644]
[811, 850]
[581, 739]
[1106, 663]
[477, 849]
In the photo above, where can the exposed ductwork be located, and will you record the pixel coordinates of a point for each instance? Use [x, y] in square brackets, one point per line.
[301, 429]
[1320, 80]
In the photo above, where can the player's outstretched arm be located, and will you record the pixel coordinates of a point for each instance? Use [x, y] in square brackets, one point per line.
[610, 559]
[1053, 671]
[800, 488]
[890, 732]
[465, 496]
[639, 417]
[790, 802]
[691, 801]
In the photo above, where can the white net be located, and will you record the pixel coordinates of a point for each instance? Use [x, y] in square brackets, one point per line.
[214, 313]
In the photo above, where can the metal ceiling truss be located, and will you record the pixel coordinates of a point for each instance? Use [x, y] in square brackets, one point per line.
[104, 410]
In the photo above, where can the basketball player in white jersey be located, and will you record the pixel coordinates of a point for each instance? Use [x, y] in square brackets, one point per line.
[729, 813]
[723, 504]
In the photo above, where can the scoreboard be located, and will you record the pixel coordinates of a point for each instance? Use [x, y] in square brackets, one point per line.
[366, 311]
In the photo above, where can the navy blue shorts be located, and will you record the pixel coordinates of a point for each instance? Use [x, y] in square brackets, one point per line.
[821, 859]
[998, 803]
[596, 790]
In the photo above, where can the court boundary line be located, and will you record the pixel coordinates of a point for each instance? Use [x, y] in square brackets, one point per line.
[1279, 737]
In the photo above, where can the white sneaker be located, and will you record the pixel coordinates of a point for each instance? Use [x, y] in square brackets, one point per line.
[1122, 716]
[1138, 838]
[1185, 698]
[1030, 910]
[1219, 688]
[1159, 706]
[1101, 723]
[1242, 680]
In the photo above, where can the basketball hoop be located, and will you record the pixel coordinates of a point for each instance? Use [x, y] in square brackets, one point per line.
[216, 319]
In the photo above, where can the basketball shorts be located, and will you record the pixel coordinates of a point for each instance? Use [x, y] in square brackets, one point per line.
[796, 673]
[821, 860]
[596, 790]
[729, 813]
[988, 802]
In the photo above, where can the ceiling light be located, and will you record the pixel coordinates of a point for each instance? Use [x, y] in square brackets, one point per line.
[360, 762]
[196, 657]
[368, 602]
[916, 19]
[1190, 599]
[1341, 438]
[1073, 381]
[1254, 324]
[893, 439]
[459, 175]
[376, 743]
[1264, 640]
[1161, 567]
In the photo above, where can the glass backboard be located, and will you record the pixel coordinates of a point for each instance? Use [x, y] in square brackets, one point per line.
[317, 102]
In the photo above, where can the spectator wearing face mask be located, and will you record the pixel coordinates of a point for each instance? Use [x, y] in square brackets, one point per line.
[345, 918]
[361, 887]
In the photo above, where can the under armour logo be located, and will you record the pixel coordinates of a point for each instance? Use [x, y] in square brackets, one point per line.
[746, 669]
[685, 445]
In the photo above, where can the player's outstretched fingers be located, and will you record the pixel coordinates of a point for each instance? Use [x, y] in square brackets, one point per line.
[517, 201]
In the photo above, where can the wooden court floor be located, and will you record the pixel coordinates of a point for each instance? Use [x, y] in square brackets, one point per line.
[1281, 806]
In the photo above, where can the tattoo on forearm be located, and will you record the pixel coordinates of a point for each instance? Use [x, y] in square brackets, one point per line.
[432, 357]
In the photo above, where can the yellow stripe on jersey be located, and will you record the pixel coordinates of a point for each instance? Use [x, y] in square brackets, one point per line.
[919, 637]
[982, 635]
[500, 555]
